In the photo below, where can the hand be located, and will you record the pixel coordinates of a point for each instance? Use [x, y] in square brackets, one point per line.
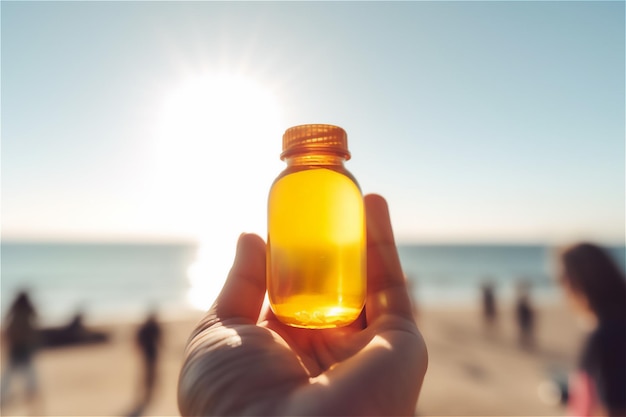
[241, 360]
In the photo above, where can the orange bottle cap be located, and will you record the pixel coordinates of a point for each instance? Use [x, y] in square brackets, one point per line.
[315, 137]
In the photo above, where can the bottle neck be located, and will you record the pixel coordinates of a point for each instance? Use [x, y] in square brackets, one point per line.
[315, 159]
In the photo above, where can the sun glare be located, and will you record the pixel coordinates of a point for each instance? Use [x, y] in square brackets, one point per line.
[217, 153]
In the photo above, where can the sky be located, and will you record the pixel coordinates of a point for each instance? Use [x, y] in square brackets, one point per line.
[477, 121]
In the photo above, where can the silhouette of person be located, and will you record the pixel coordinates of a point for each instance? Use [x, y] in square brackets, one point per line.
[21, 338]
[525, 316]
[76, 326]
[489, 303]
[596, 288]
[148, 339]
[240, 360]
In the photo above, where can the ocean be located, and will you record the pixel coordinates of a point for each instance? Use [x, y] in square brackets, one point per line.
[121, 281]
[104, 281]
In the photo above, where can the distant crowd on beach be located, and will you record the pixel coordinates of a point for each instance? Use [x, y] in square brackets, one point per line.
[23, 337]
[595, 290]
[525, 312]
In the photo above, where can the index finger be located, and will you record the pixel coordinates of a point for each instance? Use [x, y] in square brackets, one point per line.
[387, 291]
[243, 292]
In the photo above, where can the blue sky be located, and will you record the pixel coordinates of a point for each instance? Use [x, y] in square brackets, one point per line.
[478, 121]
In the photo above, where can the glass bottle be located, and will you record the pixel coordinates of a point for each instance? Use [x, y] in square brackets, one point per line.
[316, 245]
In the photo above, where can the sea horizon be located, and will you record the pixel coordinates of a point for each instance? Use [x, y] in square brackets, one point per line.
[106, 280]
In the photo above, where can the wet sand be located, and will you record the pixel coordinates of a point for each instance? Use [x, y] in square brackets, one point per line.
[472, 371]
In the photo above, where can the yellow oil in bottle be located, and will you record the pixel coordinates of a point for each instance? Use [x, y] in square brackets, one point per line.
[316, 266]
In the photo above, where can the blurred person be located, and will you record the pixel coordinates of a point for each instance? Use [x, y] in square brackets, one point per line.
[525, 316]
[489, 309]
[596, 289]
[21, 340]
[73, 333]
[241, 360]
[148, 340]
[76, 326]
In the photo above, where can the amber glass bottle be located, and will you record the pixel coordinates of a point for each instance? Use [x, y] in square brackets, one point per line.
[316, 266]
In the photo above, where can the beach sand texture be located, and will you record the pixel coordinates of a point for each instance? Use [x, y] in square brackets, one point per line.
[471, 371]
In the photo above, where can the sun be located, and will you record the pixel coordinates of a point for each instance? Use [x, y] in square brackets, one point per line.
[216, 114]
[216, 104]
[217, 144]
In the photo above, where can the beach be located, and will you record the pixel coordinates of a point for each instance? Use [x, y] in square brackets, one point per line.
[472, 370]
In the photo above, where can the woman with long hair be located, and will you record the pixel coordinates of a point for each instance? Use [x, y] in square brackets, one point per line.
[596, 288]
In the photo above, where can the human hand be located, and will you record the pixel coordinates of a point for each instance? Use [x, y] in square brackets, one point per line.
[241, 360]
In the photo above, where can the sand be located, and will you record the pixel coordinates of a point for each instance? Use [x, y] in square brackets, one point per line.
[472, 371]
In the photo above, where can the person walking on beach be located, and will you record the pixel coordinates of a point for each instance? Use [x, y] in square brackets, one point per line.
[21, 341]
[489, 304]
[240, 360]
[525, 316]
[596, 288]
[148, 341]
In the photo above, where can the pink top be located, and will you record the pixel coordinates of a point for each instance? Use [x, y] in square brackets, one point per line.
[582, 396]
